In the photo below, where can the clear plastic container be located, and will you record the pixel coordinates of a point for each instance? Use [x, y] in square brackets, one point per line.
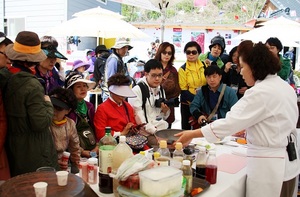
[160, 181]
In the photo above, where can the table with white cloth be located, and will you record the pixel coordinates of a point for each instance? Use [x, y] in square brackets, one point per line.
[231, 185]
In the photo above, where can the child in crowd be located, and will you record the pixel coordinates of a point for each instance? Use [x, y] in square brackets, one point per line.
[63, 129]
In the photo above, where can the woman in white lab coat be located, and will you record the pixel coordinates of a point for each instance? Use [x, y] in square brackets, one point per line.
[269, 113]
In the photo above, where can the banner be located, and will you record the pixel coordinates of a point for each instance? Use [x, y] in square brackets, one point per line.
[199, 38]
[177, 37]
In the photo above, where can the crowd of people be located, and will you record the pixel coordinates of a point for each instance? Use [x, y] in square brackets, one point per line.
[44, 112]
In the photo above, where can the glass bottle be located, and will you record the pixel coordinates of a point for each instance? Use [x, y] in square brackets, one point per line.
[211, 167]
[106, 146]
[178, 155]
[165, 155]
[187, 174]
[201, 163]
[188, 154]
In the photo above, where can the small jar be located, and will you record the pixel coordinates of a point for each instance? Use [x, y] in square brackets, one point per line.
[92, 169]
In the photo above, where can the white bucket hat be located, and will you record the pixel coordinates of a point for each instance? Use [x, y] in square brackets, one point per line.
[122, 42]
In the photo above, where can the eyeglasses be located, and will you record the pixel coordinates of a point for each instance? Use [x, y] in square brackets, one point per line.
[167, 52]
[156, 75]
[2, 53]
[194, 52]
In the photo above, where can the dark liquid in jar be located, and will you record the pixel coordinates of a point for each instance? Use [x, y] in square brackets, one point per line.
[211, 174]
[200, 171]
[105, 183]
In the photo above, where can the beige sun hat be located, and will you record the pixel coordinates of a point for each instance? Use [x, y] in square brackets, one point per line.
[122, 42]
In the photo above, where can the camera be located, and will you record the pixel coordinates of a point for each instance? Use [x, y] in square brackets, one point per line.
[203, 123]
[234, 66]
[172, 102]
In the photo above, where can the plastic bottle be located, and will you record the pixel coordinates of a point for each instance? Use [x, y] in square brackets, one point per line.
[106, 146]
[201, 163]
[92, 170]
[211, 167]
[178, 155]
[120, 154]
[65, 158]
[83, 169]
[165, 155]
[188, 176]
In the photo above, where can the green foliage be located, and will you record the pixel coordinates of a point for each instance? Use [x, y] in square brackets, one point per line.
[215, 12]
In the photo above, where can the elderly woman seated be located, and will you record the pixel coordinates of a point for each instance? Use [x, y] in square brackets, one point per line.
[118, 114]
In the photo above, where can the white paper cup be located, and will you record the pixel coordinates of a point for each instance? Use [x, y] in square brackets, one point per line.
[40, 189]
[62, 178]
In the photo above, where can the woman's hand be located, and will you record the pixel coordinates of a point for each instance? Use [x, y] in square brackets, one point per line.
[207, 62]
[185, 137]
[127, 128]
[201, 118]
[63, 165]
[227, 67]
[86, 153]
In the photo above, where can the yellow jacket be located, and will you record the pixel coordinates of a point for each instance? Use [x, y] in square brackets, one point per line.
[191, 76]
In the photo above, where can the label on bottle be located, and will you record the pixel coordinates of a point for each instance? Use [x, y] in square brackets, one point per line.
[163, 161]
[106, 158]
[91, 173]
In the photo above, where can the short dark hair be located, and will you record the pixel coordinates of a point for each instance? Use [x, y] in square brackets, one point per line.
[232, 51]
[152, 64]
[118, 79]
[212, 69]
[192, 44]
[259, 58]
[65, 95]
[162, 47]
[273, 41]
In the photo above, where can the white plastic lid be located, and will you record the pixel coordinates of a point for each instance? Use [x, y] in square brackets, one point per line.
[186, 162]
[67, 154]
[122, 138]
[92, 160]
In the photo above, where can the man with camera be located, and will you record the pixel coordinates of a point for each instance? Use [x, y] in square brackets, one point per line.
[213, 100]
[150, 105]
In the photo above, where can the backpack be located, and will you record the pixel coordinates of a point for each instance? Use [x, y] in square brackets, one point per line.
[99, 68]
[146, 95]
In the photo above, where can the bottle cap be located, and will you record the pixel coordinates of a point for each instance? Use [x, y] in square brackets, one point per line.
[93, 161]
[66, 154]
[122, 138]
[178, 146]
[186, 162]
[162, 144]
[107, 129]
[156, 155]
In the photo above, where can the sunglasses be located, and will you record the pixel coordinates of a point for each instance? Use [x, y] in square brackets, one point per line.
[167, 52]
[58, 108]
[194, 52]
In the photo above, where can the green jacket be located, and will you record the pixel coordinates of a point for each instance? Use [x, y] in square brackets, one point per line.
[30, 144]
[204, 56]
[285, 68]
